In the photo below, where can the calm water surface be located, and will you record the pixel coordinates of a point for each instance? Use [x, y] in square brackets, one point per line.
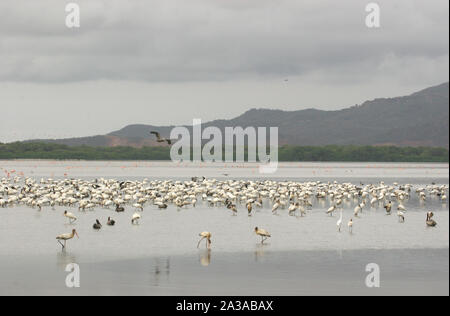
[159, 256]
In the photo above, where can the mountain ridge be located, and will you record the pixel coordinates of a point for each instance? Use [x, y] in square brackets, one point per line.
[418, 119]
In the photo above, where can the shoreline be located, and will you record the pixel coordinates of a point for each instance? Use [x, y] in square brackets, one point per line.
[167, 169]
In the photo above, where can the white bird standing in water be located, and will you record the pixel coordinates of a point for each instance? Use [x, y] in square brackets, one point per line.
[207, 236]
[72, 218]
[362, 205]
[302, 211]
[293, 207]
[331, 210]
[163, 193]
[373, 201]
[66, 237]
[401, 216]
[339, 222]
[135, 218]
[357, 210]
[263, 233]
[276, 206]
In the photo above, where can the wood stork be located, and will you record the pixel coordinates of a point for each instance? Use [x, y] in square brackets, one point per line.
[362, 205]
[207, 236]
[373, 201]
[66, 237]
[293, 207]
[331, 210]
[401, 216]
[357, 210]
[302, 211]
[135, 218]
[72, 218]
[276, 206]
[263, 233]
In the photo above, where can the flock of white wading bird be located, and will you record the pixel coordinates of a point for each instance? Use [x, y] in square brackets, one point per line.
[229, 195]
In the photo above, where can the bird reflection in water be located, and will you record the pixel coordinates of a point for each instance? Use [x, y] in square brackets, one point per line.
[260, 251]
[64, 258]
[205, 257]
[161, 267]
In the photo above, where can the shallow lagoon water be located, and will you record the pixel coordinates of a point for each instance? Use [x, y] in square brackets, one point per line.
[437, 172]
[306, 255]
[259, 272]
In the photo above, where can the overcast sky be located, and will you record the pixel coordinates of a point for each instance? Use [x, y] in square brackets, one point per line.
[166, 62]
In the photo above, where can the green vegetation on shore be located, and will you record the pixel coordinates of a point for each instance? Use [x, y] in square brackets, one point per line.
[21, 150]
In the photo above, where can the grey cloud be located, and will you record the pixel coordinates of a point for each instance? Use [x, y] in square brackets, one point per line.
[165, 41]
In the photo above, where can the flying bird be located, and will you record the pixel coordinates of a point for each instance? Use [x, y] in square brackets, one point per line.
[160, 139]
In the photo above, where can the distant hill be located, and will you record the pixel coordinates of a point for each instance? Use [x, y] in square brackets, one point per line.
[419, 119]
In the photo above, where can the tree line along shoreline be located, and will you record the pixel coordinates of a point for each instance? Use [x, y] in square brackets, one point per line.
[286, 153]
